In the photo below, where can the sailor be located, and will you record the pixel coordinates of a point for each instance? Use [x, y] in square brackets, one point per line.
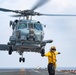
[51, 60]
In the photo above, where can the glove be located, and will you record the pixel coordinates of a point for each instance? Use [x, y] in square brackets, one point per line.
[42, 52]
[59, 53]
[42, 55]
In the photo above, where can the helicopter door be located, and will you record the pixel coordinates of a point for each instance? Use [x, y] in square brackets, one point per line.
[30, 25]
[31, 31]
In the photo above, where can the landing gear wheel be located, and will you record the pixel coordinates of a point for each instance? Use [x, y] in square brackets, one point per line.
[10, 50]
[21, 59]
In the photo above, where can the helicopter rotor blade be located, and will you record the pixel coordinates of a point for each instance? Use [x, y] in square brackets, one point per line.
[40, 3]
[6, 10]
[16, 15]
[38, 14]
[56, 15]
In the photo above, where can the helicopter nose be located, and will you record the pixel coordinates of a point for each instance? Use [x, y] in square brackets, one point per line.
[31, 35]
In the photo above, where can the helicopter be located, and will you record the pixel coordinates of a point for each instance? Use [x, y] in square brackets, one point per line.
[28, 34]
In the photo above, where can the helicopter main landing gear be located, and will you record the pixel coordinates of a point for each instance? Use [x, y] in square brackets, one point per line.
[22, 59]
[10, 50]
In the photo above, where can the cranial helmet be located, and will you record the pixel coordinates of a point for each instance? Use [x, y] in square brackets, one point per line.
[53, 48]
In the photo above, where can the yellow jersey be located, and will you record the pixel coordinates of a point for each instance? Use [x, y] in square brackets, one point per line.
[51, 57]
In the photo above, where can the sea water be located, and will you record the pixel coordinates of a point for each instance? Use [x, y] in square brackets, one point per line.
[66, 68]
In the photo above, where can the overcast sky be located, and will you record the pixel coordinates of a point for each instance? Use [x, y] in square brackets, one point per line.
[61, 29]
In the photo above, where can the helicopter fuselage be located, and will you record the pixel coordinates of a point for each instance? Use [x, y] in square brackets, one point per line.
[27, 35]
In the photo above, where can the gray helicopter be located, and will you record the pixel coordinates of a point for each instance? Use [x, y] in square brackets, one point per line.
[28, 34]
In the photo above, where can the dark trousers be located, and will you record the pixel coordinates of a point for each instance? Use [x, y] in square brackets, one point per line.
[51, 69]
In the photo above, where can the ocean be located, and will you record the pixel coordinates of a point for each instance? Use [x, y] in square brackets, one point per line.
[65, 68]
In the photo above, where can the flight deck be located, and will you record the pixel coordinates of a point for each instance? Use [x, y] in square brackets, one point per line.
[30, 72]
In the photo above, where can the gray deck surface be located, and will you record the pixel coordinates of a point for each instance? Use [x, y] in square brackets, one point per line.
[29, 72]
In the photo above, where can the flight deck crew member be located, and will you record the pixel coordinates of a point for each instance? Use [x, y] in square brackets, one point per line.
[51, 60]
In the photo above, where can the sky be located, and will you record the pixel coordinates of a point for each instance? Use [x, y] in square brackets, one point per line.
[61, 29]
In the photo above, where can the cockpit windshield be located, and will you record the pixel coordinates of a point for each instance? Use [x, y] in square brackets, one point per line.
[22, 25]
[37, 26]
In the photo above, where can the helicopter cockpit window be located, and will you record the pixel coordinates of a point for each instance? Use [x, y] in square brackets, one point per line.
[22, 25]
[37, 26]
[30, 25]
